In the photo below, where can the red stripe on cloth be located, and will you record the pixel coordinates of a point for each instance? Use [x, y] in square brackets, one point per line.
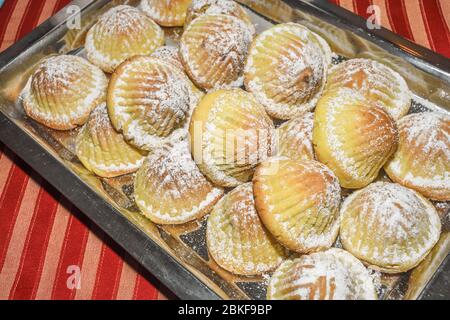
[31, 18]
[61, 4]
[144, 290]
[108, 274]
[361, 7]
[30, 269]
[10, 201]
[399, 18]
[437, 29]
[5, 15]
[71, 255]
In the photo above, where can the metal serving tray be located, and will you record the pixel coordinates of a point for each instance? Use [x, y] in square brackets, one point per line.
[177, 255]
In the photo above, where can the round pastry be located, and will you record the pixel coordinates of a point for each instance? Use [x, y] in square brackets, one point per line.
[230, 134]
[104, 151]
[389, 227]
[295, 138]
[63, 91]
[286, 69]
[236, 238]
[298, 202]
[167, 13]
[169, 53]
[149, 100]
[227, 7]
[378, 84]
[170, 189]
[352, 137]
[121, 33]
[331, 275]
[422, 160]
[213, 50]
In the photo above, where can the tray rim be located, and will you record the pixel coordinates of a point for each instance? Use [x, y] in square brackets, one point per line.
[135, 242]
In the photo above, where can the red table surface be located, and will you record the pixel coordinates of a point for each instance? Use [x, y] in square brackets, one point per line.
[42, 235]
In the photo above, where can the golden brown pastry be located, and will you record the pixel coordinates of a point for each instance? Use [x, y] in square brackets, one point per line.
[331, 275]
[352, 137]
[236, 238]
[170, 54]
[286, 69]
[121, 33]
[378, 84]
[150, 101]
[230, 134]
[213, 49]
[389, 227]
[170, 189]
[295, 138]
[422, 161]
[167, 13]
[104, 151]
[63, 90]
[298, 202]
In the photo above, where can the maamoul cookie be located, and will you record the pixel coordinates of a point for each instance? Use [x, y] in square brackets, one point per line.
[378, 84]
[331, 275]
[422, 160]
[104, 151]
[286, 69]
[298, 202]
[121, 33]
[170, 189]
[230, 135]
[228, 7]
[63, 90]
[352, 137]
[169, 53]
[295, 138]
[150, 100]
[214, 48]
[236, 238]
[389, 227]
[167, 13]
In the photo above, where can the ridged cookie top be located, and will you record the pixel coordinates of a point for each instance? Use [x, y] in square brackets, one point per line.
[122, 32]
[230, 134]
[104, 151]
[214, 49]
[167, 13]
[149, 100]
[63, 90]
[422, 161]
[378, 84]
[236, 238]
[352, 137]
[389, 227]
[170, 189]
[331, 275]
[298, 202]
[286, 69]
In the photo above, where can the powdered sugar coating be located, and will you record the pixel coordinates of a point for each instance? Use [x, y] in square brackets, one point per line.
[168, 13]
[422, 161]
[389, 227]
[331, 275]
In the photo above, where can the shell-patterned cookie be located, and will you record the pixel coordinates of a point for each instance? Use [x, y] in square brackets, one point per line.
[227, 7]
[286, 69]
[170, 189]
[214, 48]
[389, 227]
[295, 138]
[422, 160]
[331, 275]
[150, 101]
[63, 91]
[298, 202]
[121, 33]
[230, 135]
[352, 137]
[167, 13]
[378, 83]
[104, 151]
[236, 238]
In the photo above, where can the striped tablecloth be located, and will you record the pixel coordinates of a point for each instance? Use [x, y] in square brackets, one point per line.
[42, 235]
